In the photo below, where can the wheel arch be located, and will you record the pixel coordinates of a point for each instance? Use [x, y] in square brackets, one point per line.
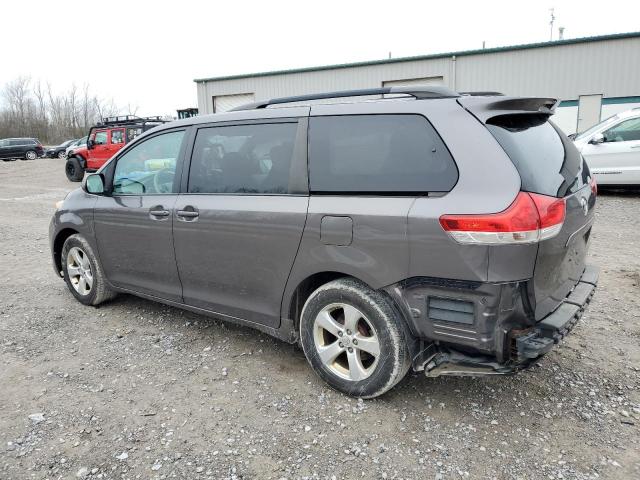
[295, 301]
[81, 159]
[58, 243]
[293, 304]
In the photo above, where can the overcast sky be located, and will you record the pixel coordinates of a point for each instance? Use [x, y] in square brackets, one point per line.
[147, 53]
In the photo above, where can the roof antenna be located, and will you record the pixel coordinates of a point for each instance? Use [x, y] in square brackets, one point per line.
[553, 19]
[560, 33]
[389, 54]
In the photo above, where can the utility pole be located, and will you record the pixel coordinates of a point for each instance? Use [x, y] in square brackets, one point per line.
[553, 19]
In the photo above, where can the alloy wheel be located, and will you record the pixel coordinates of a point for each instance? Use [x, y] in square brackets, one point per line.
[79, 271]
[346, 342]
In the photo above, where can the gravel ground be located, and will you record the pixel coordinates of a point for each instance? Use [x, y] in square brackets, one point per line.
[136, 389]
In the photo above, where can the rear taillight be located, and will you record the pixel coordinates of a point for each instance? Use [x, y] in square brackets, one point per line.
[552, 211]
[530, 218]
[594, 186]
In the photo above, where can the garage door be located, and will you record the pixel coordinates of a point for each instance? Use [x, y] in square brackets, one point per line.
[414, 81]
[224, 103]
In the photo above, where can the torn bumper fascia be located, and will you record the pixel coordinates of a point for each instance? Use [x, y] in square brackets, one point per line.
[557, 325]
[528, 345]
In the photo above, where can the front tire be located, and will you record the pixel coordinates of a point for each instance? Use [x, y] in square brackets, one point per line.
[31, 155]
[82, 272]
[62, 154]
[74, 169]
[354, 338]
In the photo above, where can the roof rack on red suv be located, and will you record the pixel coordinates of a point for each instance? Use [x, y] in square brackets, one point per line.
[128, 120]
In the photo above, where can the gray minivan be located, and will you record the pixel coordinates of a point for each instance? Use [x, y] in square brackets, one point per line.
[417, 229]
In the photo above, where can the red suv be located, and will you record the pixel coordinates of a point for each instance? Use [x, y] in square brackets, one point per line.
[104, 140]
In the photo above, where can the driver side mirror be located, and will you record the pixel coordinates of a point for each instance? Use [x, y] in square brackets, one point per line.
[597, 139]
[90, 144]
[94, 184]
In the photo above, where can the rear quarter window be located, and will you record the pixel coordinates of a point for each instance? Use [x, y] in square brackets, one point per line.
[546, 159]
[378, 154]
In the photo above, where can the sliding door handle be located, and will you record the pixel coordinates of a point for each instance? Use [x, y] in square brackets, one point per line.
[158, 212]
[188, 213]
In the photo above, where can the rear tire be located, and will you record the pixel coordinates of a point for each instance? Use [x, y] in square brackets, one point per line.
[83, 273]
[62, 154]
[354, 338]
[74, 169]
[30, 155]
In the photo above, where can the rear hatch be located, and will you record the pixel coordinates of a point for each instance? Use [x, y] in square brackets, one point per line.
[549, 164]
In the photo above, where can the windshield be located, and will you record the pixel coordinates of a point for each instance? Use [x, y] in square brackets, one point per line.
[596, 127]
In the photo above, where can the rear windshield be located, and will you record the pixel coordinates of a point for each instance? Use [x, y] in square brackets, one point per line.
[547, 161]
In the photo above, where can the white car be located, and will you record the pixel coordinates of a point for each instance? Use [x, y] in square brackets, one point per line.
[81, 142]
[612, 149]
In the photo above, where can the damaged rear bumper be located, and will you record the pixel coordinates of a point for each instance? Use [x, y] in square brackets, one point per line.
[527, 345]
[554, 327]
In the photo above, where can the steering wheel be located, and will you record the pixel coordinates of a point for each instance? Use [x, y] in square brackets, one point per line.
[161, 187]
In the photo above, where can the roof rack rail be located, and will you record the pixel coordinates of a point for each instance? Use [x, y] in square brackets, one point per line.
[130, 119]
[419, 93]
[482, 94]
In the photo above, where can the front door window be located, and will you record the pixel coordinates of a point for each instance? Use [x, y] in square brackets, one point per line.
[149, 167]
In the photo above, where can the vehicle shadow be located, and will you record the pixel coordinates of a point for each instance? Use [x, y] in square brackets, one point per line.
[245, 338]
[289, 362]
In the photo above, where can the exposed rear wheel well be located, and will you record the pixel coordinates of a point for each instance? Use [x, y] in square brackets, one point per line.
[57, 246]
[306, 288]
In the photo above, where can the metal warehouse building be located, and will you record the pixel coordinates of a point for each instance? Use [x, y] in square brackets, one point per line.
[594, 77]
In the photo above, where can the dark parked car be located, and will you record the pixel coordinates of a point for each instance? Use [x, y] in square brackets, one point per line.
[59, 151]
[25, 148]
[441, 232]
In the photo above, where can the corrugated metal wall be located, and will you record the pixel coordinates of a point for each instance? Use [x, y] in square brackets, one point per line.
[320, 81]
[609, 67]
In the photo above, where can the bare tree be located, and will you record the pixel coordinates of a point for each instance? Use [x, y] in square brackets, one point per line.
[29, 109]
[19, 103]
[131, 109]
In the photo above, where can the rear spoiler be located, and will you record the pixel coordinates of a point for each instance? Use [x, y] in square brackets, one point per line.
[486, 108]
